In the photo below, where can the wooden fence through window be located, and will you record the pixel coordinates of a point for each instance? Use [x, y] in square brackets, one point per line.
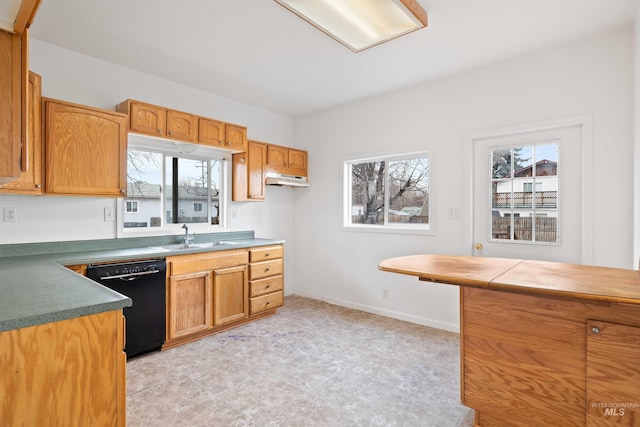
[546, 229]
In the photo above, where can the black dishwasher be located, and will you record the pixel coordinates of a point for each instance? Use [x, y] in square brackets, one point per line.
[143, 282]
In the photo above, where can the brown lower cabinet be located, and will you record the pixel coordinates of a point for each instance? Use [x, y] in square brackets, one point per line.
[65, 373]
[212, 291]
[533, 361]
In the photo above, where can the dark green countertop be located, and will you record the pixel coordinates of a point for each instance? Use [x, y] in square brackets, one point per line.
[36, 288]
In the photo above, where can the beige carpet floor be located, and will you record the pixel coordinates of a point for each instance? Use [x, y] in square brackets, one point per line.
[313, 364]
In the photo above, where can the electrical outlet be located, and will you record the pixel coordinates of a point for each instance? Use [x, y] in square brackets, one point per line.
[234, 213]
[10, 215]
[385, 293]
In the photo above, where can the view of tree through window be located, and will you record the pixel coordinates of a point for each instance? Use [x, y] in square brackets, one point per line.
[389, 191]
[524, 182]
[189, 190]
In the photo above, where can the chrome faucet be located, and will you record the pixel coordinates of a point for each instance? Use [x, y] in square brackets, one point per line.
[187, 240]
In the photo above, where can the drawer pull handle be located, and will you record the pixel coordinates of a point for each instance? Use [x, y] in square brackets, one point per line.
[266, 269]
[268, 286]
[267, 303]
[595, 330]
[267, 254]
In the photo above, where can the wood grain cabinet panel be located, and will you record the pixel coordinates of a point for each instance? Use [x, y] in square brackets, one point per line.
[158, 121]
[277, 156]
[30, 179]
[267, 302]
[230, 295]
[266, 280]
[613, 374]
[181, 125]
[66, 373]
[208, 292]
[265, 286]
[211, 132]
[164, 122]
[189, 304]
[286, 160]
[236, 137]
[298, 161]
[249, 173]
[85, 150]
[11, 54]
[266, 253]
[146, 118]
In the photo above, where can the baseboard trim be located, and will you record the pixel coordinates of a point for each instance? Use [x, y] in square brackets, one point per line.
[394, 314]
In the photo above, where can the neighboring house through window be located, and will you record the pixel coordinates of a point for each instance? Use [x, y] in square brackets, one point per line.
[525, 193]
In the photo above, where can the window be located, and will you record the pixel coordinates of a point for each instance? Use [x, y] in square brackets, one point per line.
[167, 187]
[525, 193]
[528, 187]
[390, 192]
[131, 206]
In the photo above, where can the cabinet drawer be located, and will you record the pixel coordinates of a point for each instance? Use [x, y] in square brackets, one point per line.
[265, 286]
[266, 253]
[259, 270]
[181, 264]
[266, 302]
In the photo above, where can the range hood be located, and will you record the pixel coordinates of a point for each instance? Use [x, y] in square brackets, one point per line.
[288, 180]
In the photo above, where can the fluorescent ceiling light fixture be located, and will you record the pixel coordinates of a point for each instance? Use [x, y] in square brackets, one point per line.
[360, 24]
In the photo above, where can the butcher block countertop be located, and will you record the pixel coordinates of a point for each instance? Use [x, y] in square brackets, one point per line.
[523, 276]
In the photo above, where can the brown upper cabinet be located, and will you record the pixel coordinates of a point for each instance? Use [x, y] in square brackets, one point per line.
[220, 134]
[286, 160]
[30, 179]
[153, 120]
[85, 150]
[159, 121]
[14, 79]
[249, 173]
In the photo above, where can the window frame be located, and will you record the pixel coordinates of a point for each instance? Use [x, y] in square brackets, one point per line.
[534, 184]
[186, 151]
[389, 228]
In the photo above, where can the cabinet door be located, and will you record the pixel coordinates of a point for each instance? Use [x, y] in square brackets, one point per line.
[189, 304]
[30, 180]
[85, 150]
[65, 373]
[147, 118]
[181, 125]
[277, 156]
[211, 132]
[256, 159]
[236, 137]
[11, 106]
[613, 377]
[230, 295]
[298, 161]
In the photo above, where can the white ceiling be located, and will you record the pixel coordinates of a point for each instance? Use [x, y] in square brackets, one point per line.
[257, 52]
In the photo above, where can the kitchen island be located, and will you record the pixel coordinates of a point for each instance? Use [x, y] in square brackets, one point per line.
[542, 343]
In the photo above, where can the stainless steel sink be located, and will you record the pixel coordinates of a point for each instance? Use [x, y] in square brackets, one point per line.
[183, 247]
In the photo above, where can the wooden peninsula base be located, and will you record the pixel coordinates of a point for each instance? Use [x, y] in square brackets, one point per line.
[542, 344]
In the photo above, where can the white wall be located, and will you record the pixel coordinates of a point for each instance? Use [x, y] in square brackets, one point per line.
[591, 76]
[77, 78]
